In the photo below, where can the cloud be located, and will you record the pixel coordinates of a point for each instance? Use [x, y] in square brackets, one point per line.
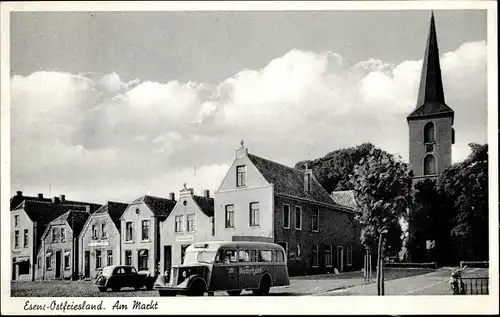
[99, 137]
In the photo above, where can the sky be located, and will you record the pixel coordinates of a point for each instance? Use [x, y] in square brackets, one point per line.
[116, 105]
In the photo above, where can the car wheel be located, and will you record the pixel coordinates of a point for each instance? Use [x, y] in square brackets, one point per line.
[137, 287]
[265, 285]
[196, 289]
[149, 285]
[103, 289]
[234, 293]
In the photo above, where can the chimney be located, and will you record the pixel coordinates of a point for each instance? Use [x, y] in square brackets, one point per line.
[19, 193]
[62, 197]
[191, 190]
[40, 195]
[56, 200]
[206, 193]
[242, 151]
[307, 179]
[171, 196]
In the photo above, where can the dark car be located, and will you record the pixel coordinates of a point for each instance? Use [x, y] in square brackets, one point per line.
[118, 276]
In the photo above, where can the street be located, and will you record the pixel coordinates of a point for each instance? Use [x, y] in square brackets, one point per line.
[434, 283]
[299, 286]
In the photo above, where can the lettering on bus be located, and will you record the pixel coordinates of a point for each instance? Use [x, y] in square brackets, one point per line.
[246, 270]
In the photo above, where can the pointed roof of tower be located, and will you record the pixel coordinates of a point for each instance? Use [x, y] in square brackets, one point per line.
[430, 100]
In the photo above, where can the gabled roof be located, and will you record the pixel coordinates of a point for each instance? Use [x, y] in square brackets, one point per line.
[430, 100]
[206, 204]
[160, 207]
[16, 200]
[289, 181]
[345, 198]
[115, 211]
[75, 218]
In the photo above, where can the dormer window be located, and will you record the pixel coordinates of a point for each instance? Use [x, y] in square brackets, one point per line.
[240, 176]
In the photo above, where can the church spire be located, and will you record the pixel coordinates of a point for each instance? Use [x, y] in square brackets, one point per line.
[431, 84]
[430, 99]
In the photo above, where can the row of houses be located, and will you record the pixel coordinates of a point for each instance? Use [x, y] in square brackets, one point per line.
[258, 200]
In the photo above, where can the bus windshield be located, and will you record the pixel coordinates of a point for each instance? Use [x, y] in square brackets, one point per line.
[199, 257]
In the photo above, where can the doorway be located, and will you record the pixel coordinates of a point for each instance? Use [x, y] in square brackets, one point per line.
[340, 258]
[167, 258]
[58, 264]
[86, 271]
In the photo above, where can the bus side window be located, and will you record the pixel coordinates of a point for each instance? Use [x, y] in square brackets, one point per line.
[253, 256]
[231, 256]
[243, 256]
[265, 256]
[278, 256]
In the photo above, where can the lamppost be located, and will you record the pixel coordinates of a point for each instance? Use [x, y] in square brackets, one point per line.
[380, 260]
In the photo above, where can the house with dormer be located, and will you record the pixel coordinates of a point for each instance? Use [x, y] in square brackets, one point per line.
[190, 221]
[140, 231]
[99, 241]
[262, 200]
[30, 216]
[57, 257]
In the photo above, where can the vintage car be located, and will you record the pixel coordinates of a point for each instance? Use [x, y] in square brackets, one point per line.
[117, 276]
[231, 266]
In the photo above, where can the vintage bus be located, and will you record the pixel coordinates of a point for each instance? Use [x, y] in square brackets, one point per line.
[231, 266]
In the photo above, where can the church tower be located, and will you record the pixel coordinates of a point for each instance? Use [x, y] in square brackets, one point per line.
[431, 122]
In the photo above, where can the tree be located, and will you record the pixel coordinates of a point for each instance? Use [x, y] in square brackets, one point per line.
[333, 170]
[465, 188]
[382, 185]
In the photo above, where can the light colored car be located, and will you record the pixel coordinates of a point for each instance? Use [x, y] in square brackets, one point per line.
[117, 276]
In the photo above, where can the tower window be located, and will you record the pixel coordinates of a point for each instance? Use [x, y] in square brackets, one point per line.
[429, 165]
[429, 133]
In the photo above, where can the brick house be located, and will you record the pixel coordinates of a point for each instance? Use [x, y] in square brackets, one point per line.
[140, 234]
[262, 200]
[99, 240]
[30, 217]
[190, 221]
[58, 257]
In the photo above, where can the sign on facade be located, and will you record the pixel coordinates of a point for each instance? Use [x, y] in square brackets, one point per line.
[99, 244]
[185, 238]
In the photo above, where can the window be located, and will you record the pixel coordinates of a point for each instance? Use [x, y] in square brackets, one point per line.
[315, 220]
[298, 217]
[110, 257]
[48, 261]
[128, 257]
[183, 251]
[24, 268]
[315, 255]
[25, 238]
[278, 256]
[98, 259]
[298, 251]
[230, 216]
[265, 256]
[349, 255]
[240, 176]
[16, 239]
[429, 135]
[243, 256]
[190, 222]
[103, 231]
[179, 223]
[226, 256]
[143, 257]
[286, 216]
[94, 232]
[67, 259]
[429, 165]
[145, 229]
[129, 231]
[16, 220]
[254, 214]
[328, 256]
[54, 235]
[38, 261]
[63, 235]
[253, 256]
[285, 246]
